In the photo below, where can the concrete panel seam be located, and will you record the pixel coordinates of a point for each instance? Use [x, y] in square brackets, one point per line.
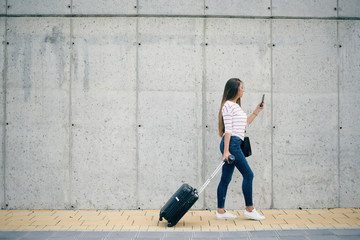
[338, 108]
[204, 7]
[70, 165]
[4, 74]
[272, 114]
[137, 117]
[137, 7]
[203, 94]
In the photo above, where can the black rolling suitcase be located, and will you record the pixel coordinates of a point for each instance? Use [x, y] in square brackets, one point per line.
[184, 198]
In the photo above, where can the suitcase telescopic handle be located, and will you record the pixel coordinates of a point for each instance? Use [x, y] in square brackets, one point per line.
[231, 159]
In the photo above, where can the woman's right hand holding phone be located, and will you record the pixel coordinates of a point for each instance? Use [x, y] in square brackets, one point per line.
[259, 108]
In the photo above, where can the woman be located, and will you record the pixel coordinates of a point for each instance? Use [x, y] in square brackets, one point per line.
[232, 123]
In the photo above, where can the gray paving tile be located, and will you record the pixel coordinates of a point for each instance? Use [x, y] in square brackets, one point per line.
[87, 238]
[319, 232]
[118, 238]
[204, 238]
[32, 238]
[208, 235]
[120, 234]
[255, 234]
[12, 234]
[291, 232]
[25, 235]
[94, 234]
[234, 238]
[151, 235]
[65, 234]
[39, 234]
[344, 232]
[349, 237]
[179, 235]
[293, 238]
[323, 237]
[62, 238]
[177, 238]
[242, 234]
[146, 238]
[264, 238]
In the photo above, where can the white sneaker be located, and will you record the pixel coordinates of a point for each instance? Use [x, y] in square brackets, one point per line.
[225, 215]
[253, 215]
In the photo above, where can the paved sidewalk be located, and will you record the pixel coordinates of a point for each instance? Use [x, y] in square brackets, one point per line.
[320, 234]
[148, 220]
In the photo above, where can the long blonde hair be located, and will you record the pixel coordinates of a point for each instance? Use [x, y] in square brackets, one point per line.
[230, 91]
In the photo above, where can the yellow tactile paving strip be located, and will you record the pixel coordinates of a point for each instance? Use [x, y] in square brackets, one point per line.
[148, 220]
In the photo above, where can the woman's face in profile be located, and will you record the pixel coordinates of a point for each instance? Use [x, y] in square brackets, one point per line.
[240, 91]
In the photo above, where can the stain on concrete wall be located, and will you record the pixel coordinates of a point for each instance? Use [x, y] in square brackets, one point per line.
[37, 112]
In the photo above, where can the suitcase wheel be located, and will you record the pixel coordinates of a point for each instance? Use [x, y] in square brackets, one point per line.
[171, 225]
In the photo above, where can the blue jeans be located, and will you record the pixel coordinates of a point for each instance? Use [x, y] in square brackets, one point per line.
[228, 169]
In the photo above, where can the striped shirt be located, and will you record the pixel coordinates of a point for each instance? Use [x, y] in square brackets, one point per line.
[235, 119]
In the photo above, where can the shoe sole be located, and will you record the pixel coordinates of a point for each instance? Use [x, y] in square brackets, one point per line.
[225, 218]
[254, 218]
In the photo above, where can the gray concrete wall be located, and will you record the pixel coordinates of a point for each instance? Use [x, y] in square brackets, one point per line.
[113, 105]
[349, 134]
[305, 90]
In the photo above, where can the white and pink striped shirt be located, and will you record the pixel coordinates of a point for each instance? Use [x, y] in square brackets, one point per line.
[235, 119]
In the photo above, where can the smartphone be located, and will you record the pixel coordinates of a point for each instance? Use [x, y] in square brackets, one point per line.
[262, 100]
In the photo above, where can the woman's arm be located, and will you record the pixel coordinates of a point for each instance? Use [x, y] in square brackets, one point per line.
[226, 146]
[255, 113]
